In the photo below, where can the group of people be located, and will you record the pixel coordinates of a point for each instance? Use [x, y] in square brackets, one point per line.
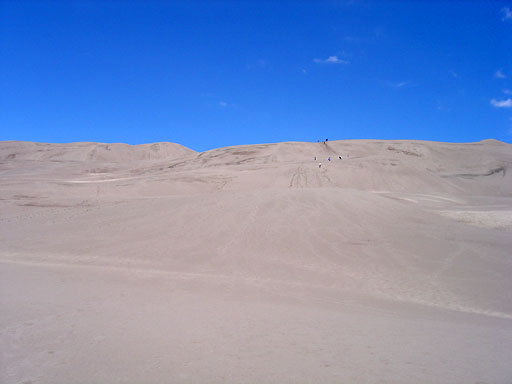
[329, 158]
[340, 157]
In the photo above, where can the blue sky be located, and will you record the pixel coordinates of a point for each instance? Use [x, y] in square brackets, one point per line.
[209, 74]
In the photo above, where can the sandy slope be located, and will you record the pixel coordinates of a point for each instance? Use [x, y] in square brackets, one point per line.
[247, 264]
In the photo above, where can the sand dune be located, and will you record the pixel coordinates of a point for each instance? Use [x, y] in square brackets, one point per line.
[94, 152]
[154, 263]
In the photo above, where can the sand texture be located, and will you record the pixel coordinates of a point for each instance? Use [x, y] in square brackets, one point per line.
[252, 264]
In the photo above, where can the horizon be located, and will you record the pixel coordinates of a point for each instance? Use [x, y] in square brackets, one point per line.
[255, 144]
[209, 75]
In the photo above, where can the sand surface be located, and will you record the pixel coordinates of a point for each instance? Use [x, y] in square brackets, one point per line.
[252, 264]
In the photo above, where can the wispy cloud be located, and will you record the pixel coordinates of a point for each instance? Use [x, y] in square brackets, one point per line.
[507, 13]
[398, 84]
[507, 92]
[357, 39]
[259, 64]
[350, 38]
[454, 74]
[507, 103]
[442, 108]
[331, 60]
[499, 74]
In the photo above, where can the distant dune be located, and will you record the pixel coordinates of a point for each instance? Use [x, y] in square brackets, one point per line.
[365, 261]
[96, 152]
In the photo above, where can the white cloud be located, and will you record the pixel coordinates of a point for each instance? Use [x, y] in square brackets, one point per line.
[331, 60]
[397, 84]
[223, 104]
[507, 13]
[507, 92]
[507, 103]
[499, 74]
